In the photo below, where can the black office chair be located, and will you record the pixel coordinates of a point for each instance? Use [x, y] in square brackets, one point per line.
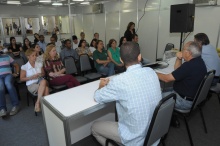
[216, 89]
[198, 101]
[85, 68]
[168, 47]
[70, 66]
[160, 122]
[20, 61]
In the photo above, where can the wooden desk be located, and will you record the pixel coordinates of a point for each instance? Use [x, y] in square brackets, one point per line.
[69, 114]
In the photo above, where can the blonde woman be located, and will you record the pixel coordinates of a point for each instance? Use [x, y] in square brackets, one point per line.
[55, 69]
[32, 73]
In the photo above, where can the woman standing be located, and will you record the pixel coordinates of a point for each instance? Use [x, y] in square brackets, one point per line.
[114, 55]
[130, 31]
[33, 73]
[55, 69]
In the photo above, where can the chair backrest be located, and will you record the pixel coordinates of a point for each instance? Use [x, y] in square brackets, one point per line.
[19, 60]
[168, 47]
[70, 65]
[203, 89]
[160, 121]
[84, 62]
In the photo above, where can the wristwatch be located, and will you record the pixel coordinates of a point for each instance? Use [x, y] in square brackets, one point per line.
[17, 73]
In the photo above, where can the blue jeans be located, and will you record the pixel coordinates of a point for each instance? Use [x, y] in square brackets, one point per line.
[107, 70]
[7, 80]
[180, 102]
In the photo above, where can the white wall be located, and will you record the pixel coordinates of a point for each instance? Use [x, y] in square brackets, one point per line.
[153, 28]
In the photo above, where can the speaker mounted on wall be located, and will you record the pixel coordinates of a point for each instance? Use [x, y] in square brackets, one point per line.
[182, 18]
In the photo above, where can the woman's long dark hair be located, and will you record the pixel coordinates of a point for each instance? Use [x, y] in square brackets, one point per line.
[24, 45]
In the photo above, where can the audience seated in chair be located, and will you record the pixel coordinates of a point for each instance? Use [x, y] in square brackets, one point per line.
[14, 48]
[187, 76]
[42, 43]
[135, 40]
[82, 49]
[93, 45]
[7, 80]
[102, 62]
[39, 54]
[136, 92]
[209, 55]
[32, 73]
[75, 42]
[114, 55]
[122, 41]
[55, 69]
[68, 51]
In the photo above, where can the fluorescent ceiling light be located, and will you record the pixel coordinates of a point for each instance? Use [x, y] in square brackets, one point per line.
[14, 2]
[85, 3]
[78, 0]
[45, 1]
[57, 4]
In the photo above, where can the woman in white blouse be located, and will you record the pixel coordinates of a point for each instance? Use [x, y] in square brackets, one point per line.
[32, 72]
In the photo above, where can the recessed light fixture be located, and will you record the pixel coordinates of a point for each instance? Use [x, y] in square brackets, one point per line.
[78, 0]
[57, 4]
[85, 3]
[14, 2]
[44, 1]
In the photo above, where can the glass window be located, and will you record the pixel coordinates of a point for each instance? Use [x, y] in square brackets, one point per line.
[32, 25]
[55, 24]
[11, 26]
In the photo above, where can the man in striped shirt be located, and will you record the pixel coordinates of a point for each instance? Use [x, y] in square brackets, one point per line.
[7, 81]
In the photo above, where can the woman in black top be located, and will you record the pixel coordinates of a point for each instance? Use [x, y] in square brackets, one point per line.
[130, 31]
[26, 44]
[122, 41]
[13, 47]
[36, 38]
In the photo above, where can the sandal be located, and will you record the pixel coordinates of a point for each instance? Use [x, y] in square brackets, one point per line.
[37, 108]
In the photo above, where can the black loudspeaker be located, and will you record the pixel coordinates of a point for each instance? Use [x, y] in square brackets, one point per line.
[182, 18]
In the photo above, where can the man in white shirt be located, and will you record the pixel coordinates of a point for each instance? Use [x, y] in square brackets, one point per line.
[75, 42]
[136, 93]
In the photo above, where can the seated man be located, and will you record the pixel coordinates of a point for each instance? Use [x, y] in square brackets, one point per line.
[68, 51]
[187, 76]
[75, 42]
[6, 80]
[136, 92]
[42, 43]
[209, 55]
[143, 60]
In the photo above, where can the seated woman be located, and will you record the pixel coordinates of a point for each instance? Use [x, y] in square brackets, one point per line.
[39, 54]
[92, 47]
[33, 73]
[82, 49]
[122, 41]
[55, 69]
[114, 55]
[14, 48]
[102, 62]
[26, 44]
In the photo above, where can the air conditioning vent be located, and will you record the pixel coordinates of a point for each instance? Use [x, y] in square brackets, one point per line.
[205, 2]
[98, 8]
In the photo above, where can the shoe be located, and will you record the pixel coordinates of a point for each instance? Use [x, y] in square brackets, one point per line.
[3, 113]
[37, 108]
[14, 110]
[175, 122]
